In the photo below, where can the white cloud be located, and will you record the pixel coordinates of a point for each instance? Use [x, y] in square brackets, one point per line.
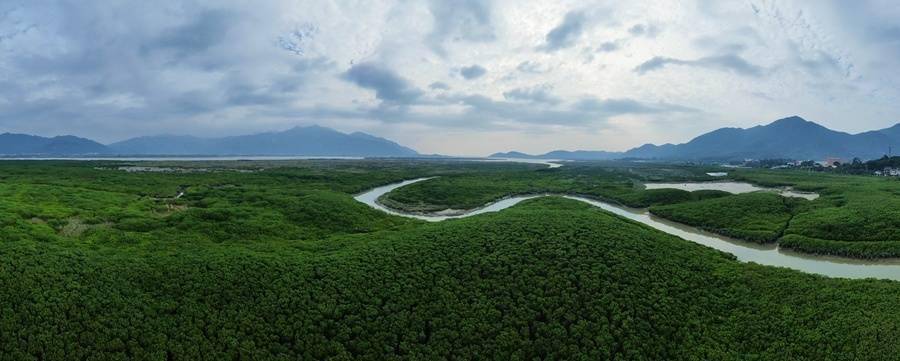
[410, 70]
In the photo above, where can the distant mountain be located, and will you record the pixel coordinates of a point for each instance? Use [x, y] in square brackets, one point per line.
[305, 141]
[23, 144]
[649, 151]
[562, 154]
[791, 138]
[514, 154]
[163, 145]
[299, 141]
[892, 132]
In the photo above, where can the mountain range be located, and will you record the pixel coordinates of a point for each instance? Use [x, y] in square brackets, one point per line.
[24, 144]
[302, 141]
[790, 138]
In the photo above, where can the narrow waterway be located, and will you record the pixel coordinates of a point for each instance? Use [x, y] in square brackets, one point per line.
[769, 255]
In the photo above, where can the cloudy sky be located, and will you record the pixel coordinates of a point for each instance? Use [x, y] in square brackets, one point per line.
[462, 77]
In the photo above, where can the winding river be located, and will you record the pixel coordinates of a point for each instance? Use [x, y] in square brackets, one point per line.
[769, 255]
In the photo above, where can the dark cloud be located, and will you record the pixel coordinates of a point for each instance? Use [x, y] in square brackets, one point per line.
[472, 72]
[388, 86]
[538, 94]
[566, 33]
[439, 85]
[205, 30]
[730, 62]
[459, 20]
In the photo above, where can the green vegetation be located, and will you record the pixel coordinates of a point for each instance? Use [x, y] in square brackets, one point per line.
[280, 263]
[608, 181]
[758, 216]
[857, 216]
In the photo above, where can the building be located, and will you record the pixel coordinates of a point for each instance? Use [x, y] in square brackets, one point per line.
[832, 162]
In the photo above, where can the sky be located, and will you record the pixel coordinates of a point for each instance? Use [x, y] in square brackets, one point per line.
[456, 77]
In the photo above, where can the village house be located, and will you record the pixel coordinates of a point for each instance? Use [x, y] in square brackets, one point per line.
[831, 162]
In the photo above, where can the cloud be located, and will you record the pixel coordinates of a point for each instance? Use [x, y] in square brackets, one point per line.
[295, 41]
[522, 107]
[566, 33]
[525, 106]
[112, 69]
[459, 20]
[718, 45]
[388, 86]
[627, 106]
[472, 72]
[650, 30]
[538, 94]
[608, 47]
[439, 85]
[730, 62]
[109, 69]
[821, 62]
[889, 34]
[731, 41]
[763, 96]
[532, 67]
[589, 53]
[207, 29]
